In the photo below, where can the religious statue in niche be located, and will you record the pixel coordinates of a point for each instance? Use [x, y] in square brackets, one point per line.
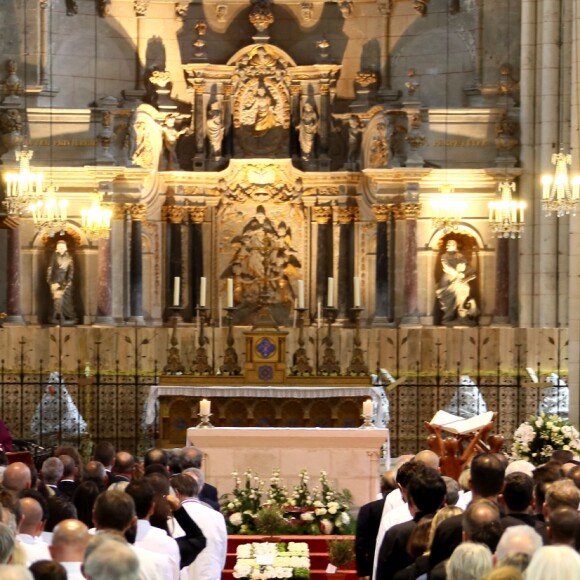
[454, 291]
[307, 130]
[171, 135]
[60, 279]
[379, 148]
[264, 265]
[355, 128]
[145, 137]
[261, 108]
[214, 127]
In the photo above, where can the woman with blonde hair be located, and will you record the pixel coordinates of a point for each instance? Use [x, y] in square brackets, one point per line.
[442, 515]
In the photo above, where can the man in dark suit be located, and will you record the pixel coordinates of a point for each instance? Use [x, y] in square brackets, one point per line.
[104, 452]
[192, 457]
[68, 482]
[425, 495]
[486, 481]
[367, 528]
[517, 497]
[123, 468]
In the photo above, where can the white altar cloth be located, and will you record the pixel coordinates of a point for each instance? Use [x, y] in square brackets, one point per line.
[375, 392]
[351, 457]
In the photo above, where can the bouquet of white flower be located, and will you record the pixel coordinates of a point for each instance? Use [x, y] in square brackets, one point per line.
[263, 560]
[536, 439]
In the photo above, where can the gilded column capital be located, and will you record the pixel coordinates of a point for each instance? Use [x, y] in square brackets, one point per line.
[227, 89]
[197, 214]
[137, 211]
[322, 214]
[118, 210]
[173, 213]
[346, 214]
[199, 87]
[382, 211]
[324, 88]
[296, 89]
[411, 211]
[140, 7]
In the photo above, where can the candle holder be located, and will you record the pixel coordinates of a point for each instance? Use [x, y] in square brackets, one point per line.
[205, 422]
[230, 365]
[174, 365]
[300, 361]
[367, 422]
[358, 365]
[201, 364]
[330, 364]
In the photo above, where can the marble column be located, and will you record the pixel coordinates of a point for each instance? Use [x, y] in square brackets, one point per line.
[411, 212]
[228, 141]
[197, 216]
[295, 94]
[502, 282]
[174, 215]
[324, 123]
[198, 124]
[382, 274]
[324, 262]
[13, 314]
[138, 213]
[105, 270]
[346, 216]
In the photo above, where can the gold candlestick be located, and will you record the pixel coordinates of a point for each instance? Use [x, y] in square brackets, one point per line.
[300, 362]
[201, 364]
[330, 365]
[230, 366]
[358, 365]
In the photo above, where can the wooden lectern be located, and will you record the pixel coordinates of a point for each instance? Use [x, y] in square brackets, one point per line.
[469, 437]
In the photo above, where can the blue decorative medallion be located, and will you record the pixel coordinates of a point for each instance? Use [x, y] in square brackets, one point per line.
[265, 348]
[265, 373]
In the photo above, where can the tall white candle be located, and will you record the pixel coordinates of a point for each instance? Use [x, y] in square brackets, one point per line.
[230, 293]
[330, 296]
[368, 408]
[176, 290]
[356, 281]
[219, 317]
[319, 314]
[300, 293]
[202, 290]
[204, 407]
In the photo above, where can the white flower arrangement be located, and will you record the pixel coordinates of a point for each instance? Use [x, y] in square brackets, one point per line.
[263, 560]
[536, 439]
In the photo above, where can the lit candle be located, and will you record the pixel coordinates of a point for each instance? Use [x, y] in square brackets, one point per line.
[356, 281]
[300, 293]
[202, 289]
[230, 292]
[330, 296]
[368, 408]
[176, 290]
[204, 407]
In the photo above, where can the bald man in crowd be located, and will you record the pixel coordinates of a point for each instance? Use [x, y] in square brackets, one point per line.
[69, 541]
[17, 477]
[31, 527]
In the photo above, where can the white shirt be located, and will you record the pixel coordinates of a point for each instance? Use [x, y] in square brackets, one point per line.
[398, 515]
[393, 500]
[212, 559]
[73, 570]
[34, 547]
[464, 500]
[156, 540]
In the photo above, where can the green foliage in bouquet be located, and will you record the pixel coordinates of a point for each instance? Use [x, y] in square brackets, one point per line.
[341, 552]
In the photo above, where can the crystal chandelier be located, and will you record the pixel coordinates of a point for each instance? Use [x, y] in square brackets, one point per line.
[559, 194]
[23, 187]
[448, 210]
[96, 220]
[50, 212]
[506, 215]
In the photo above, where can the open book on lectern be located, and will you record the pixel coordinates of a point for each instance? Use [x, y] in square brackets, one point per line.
[458, 425]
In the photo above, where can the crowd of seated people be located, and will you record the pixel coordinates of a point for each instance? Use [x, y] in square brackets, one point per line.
[509, 521]
[111, 517]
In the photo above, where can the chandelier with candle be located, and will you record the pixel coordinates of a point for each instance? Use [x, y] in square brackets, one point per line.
[96, 220]
[23, 187]
[448, 210]
[506, 215]
[560, 194]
